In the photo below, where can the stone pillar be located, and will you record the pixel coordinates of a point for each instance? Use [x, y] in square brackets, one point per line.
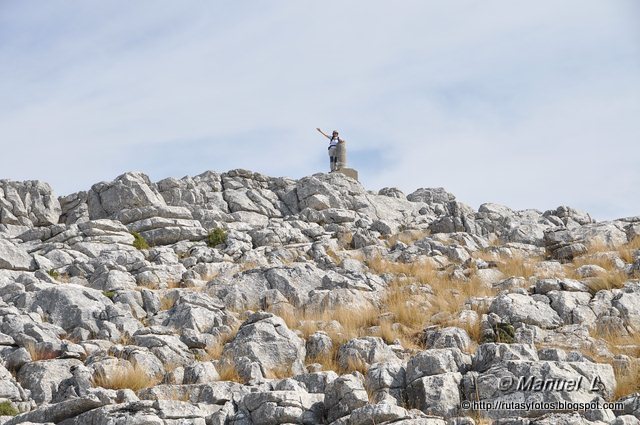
[341, 152]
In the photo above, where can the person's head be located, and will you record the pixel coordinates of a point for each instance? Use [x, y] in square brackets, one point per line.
[335, 133]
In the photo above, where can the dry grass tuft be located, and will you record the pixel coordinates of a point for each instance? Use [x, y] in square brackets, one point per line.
[39, 353]
[228, 372]
[406, 308]
[353, 365]
[173, 284]
[328, 361]
[279, 373]
[481, 420]
[133, 377]
[167, 303]
[594, 247]
[125, 338]
[620, 344]
[473, 329]
[214, 352]
[628, 250]
[518, 266]
[407, 237]
[248, 265]
[388, 332]
[423, 272]
[345, 239]
[596, 260]
[607, 281]
[627, 379]
[334, 257]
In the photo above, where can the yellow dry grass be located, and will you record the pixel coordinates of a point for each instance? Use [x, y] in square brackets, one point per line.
[125, 338]
[612, 277]
[419, 296]
[627, 380]
[167, 303]
[620, 344]
[594, 247]
[594, 259]
[473, 329]
[334, 256]
[133, 377]
[345, 239]
[228, 372]
[214, 352]
[423, 272]
[407, 237]
[414, 310]
[610, 280]
[481, 420]
[518, 266]
[248, 265]
[628, 250]
[279, 373]
[173, 284]
[39, 353]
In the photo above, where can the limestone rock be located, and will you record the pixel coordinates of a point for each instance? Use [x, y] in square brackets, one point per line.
[436, 394]
[130, 190]
[344, 395]
[364, 351]
[42, 378]
[15, 257]
[265, 339]
[522, 308]
[29, 203]
[436, 362]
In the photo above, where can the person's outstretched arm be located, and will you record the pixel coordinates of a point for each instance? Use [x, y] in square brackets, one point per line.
[323, 133]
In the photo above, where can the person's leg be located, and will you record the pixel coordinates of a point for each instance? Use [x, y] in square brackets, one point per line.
[333, 159]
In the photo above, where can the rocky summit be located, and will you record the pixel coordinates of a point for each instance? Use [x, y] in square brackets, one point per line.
[239, 298]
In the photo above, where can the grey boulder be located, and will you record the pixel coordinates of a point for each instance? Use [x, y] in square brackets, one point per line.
[266, 340]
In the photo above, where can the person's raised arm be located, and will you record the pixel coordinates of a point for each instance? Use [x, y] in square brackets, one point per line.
[323, 133]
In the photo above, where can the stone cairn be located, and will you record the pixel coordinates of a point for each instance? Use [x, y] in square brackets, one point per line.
[342, 161]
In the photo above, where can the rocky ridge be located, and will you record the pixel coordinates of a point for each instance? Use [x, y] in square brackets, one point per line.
[238, 298]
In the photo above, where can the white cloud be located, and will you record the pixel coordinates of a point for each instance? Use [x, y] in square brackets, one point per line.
[530, 105]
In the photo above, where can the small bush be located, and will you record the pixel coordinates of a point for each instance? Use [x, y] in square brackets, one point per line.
[502, 333]
[138, 241]
[7, 409]
[216, 237]
[53, 273]
[109, 294]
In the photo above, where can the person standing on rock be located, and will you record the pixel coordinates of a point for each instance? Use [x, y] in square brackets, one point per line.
[333, 148]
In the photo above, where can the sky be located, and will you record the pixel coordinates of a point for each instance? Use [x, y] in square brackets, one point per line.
[521, 103]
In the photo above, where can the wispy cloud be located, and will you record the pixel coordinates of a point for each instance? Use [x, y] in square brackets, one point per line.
[530, 105]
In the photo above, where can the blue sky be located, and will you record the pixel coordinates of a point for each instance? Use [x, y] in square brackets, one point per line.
[527, 104]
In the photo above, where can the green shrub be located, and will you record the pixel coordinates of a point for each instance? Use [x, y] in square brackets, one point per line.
[138, 241]
[109, 294]
[502, 333]
[216, 237]
[7, 409]
[53, 273]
